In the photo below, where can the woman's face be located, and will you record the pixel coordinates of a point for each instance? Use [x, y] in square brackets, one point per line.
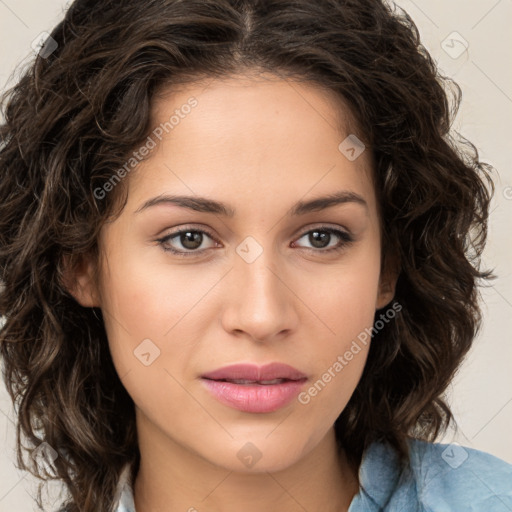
[255, 287]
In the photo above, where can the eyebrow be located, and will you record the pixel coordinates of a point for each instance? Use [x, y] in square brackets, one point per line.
[205, 205]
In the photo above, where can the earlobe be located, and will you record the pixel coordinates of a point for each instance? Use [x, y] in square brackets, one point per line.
[387, 283]
[386, 293]
[77, 277]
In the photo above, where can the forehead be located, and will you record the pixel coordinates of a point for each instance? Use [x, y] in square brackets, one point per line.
[251, 133]
[260, 94]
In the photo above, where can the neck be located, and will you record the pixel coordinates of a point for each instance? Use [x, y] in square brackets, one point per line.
[172, 478]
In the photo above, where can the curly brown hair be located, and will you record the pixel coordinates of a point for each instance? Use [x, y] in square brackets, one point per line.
[76, 114]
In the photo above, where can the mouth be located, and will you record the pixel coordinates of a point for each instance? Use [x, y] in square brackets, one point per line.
[254, 389]
[245, 382]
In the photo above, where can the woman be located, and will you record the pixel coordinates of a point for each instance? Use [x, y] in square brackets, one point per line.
[240, 255]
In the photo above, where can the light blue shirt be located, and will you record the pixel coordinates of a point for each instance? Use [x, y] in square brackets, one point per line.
[439, 478]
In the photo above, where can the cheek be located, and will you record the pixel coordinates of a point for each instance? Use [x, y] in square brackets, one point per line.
[345, 300]
[150, 315]
[340, 356]
[143, 318]
[345, 307]
[148, 300]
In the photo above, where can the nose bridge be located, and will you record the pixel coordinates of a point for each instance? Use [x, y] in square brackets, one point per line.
[254, 269]
[261, 304]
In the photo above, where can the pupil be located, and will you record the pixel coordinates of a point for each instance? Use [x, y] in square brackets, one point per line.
[317, 242]
[191, 239]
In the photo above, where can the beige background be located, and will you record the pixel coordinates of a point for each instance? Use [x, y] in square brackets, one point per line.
[481, 395]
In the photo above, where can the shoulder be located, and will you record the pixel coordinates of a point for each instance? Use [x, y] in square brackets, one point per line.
[451, 475]
[438, 478]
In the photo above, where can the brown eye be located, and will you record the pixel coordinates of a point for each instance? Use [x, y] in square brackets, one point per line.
[321, 237]
[186, 242]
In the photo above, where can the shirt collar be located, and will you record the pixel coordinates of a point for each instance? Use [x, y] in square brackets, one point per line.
[124, 493]
[379, 473]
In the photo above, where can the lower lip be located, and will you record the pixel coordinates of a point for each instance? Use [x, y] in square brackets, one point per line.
[254, 397]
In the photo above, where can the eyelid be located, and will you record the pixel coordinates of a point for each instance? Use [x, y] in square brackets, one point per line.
[321, 226]
[346, 238]
[183, 229]
[199, 227]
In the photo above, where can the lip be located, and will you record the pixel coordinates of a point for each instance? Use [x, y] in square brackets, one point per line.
[254, 372]
[256, 398]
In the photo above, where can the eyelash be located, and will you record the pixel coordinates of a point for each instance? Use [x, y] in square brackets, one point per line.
[346, 239]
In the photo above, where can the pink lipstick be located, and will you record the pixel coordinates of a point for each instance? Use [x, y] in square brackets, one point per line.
[251, 388]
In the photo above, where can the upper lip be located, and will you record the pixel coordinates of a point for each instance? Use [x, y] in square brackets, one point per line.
[256, 373]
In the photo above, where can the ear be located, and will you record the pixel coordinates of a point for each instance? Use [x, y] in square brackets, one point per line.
[77, 277]
[387, 282]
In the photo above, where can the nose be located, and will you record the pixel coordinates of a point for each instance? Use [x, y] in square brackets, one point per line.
[261, 304]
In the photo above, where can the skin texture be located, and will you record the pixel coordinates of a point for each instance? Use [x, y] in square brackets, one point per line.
[260, 146]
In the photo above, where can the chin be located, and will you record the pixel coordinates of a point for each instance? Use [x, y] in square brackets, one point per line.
[258, 454]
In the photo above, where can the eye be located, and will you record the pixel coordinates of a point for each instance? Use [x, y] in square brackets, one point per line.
[191, 240]
[321, 237]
